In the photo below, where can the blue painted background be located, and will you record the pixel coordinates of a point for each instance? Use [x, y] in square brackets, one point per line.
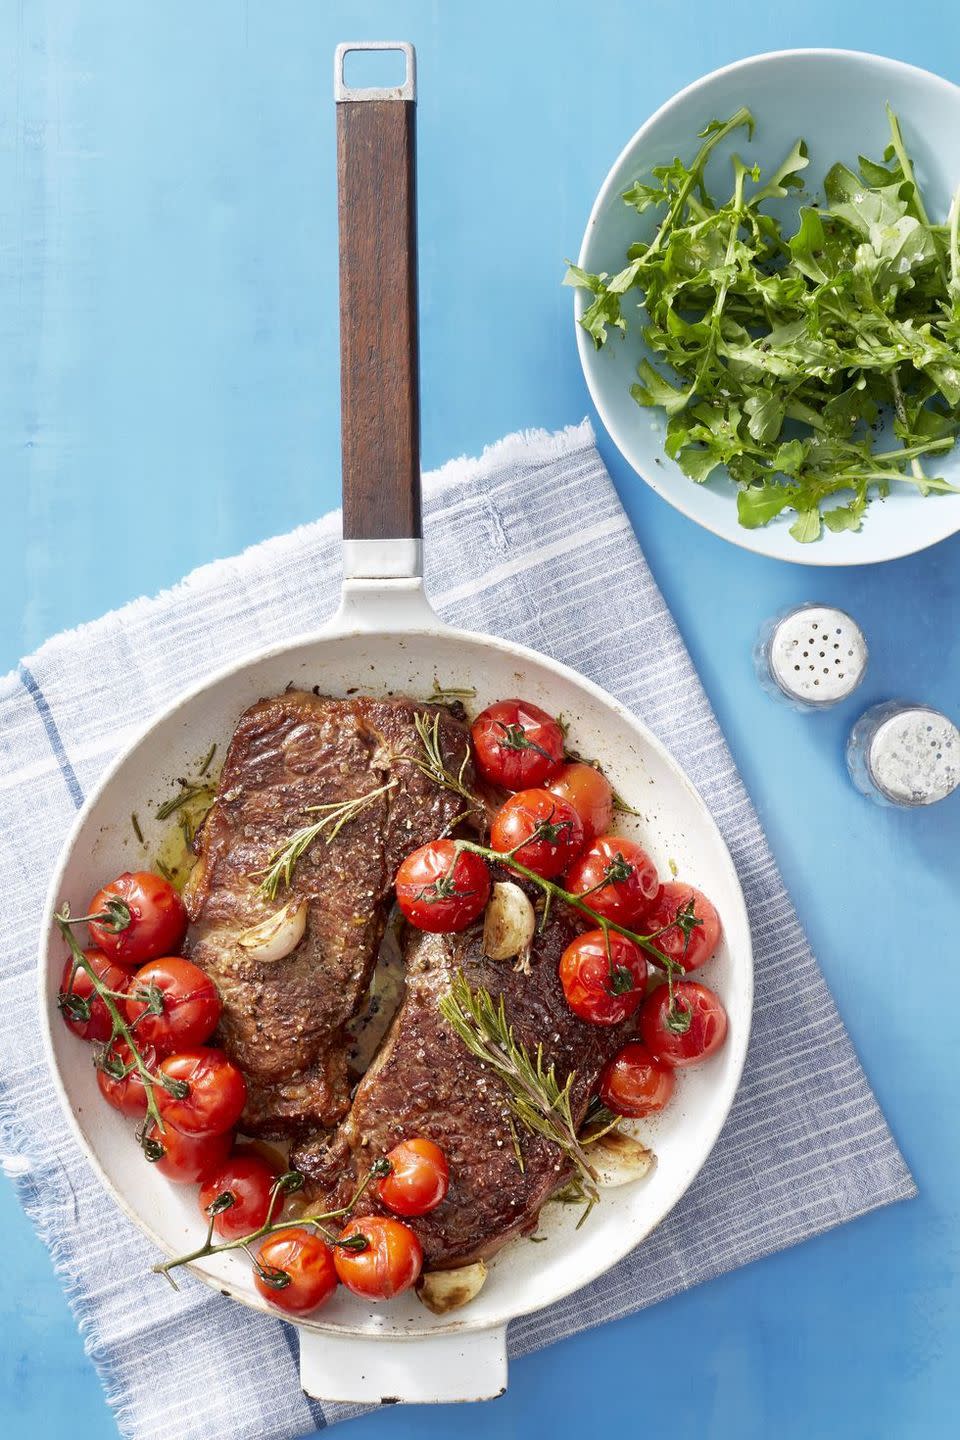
[169, 393]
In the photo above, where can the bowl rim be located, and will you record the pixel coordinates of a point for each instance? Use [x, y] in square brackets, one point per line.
[677, 496]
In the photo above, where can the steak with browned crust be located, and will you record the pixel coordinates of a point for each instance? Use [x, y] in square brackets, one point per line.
[283, 1021]
[426, 1082]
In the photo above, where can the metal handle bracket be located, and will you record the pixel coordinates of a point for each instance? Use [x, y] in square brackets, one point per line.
[343, 92]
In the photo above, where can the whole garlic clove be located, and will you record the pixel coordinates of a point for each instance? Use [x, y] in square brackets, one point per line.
[278, 935]
[445, 1290]
[618, 1159]
[509, 923]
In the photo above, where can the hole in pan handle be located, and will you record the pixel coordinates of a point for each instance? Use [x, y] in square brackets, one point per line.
[406, 91]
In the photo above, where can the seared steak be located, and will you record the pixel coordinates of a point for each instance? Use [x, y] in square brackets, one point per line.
[425, 1082]
[283, 1021]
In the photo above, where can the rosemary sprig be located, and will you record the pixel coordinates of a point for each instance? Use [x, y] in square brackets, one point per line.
[282, 863]
[515, 1142]
[189, 791]
[573, 1193]
[597, 1122]
[432, 762]
[108, 996]
[537, 1099]
[285, 1184]
[443, 693]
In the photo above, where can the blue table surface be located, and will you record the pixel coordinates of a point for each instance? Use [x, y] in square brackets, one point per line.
[170, 394]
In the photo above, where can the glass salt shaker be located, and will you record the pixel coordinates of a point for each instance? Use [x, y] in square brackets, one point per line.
[902, 754]
[810, 657]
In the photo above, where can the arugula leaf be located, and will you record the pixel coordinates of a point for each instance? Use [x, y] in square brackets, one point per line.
[789, 457]
[862, 206]
[846, 517]
[655, 390]
[760, 504]
[786, 177]
[806, 527]
[808, 245]
[575, 276]
[766, 412]
[779, 355]
[641, 197]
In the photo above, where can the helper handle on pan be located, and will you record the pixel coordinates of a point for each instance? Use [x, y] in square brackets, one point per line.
[435, 1368]
[380, 399]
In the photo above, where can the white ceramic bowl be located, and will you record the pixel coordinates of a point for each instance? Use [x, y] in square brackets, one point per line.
[835, 99]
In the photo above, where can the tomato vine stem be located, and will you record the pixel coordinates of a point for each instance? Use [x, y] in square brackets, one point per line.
[684, 918]
[120, 1026]
[285, 1184]
[557, 892]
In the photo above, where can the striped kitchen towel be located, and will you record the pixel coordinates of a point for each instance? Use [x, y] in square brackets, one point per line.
[805, 1147]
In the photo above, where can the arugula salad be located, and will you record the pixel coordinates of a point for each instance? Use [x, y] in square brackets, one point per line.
[822, 366]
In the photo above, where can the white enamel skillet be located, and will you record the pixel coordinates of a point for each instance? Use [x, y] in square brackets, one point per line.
[385, 637]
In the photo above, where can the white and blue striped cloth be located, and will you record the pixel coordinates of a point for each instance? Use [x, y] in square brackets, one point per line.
[805, 1147]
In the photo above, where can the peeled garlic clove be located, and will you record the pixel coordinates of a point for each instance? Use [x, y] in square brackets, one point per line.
[278, 935]
[618, 1159]
[445, 1290]
[509, 923]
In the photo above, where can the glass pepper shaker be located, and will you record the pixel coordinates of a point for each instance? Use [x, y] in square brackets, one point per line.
[902, 754]
[810, 657]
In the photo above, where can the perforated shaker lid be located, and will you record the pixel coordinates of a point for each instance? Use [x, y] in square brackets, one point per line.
[818, 655]
[914, 756]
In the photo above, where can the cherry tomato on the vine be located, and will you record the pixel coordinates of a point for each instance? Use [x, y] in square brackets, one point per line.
[418, 1180]
[516, 744]
[603, 977]
[387, 1264]
[119, 1079]
[616, 877]
[83, 1011]
[178, 1002]
[185, 1159]
[216, 1091]
[249, 1180]
[440, 890]
[543, 830]
[294, 1270]
[691, 1030]
[157, 923]
[689, 923]
[589, 792]
[635, 1082]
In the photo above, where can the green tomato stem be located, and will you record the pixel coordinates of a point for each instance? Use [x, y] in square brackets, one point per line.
[269, 1227]
[120, 1026]
[557, 892]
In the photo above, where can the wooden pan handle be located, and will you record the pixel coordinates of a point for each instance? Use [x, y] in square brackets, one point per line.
[380, 396]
